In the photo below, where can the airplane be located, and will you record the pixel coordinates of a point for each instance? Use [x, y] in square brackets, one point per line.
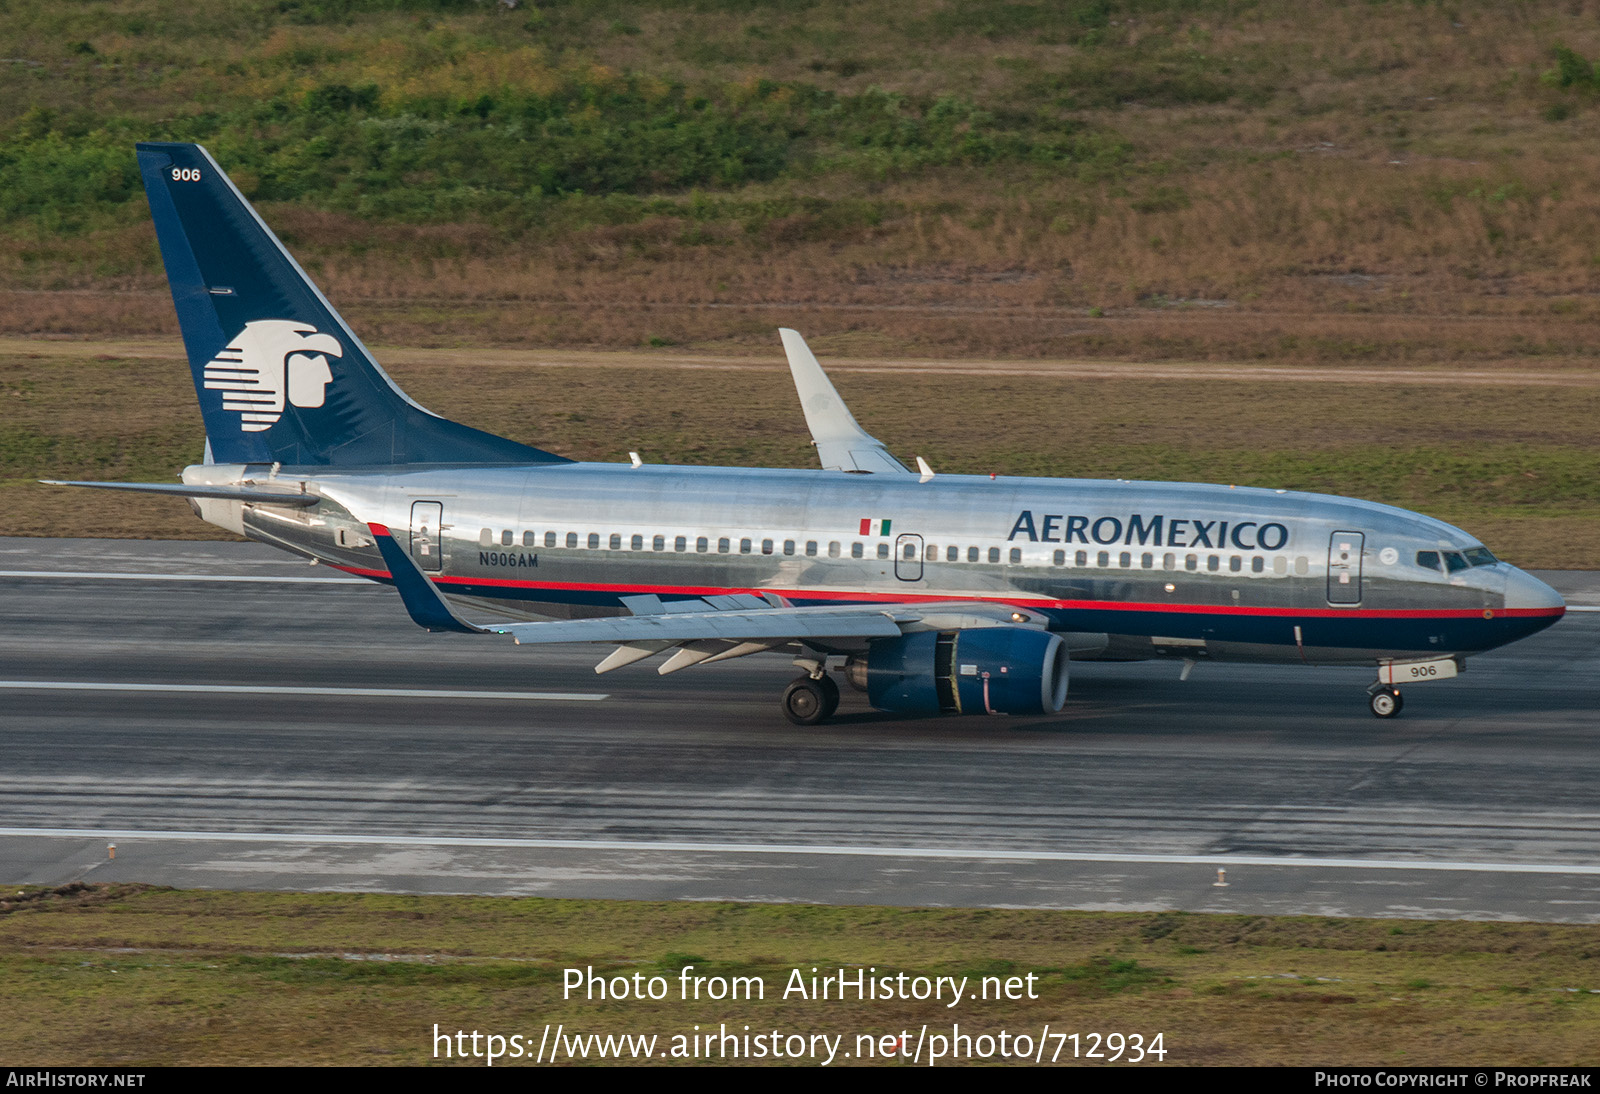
[932, 593]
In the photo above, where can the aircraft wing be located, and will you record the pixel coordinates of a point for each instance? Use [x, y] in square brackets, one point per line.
[713, 628]
[842, 445]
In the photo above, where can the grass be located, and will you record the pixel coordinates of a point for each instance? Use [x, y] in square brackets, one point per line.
[135, 976]
[1513, 463]
[1345, 181]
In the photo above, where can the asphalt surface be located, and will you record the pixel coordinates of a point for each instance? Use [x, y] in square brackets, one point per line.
[296, 731]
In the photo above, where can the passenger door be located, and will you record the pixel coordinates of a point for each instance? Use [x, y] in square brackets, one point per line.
[427, 546]
[1344, 567]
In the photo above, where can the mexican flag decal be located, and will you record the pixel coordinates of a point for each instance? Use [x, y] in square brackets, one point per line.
[871, 526]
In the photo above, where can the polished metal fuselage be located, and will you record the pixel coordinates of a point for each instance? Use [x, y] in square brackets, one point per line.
[1153, 569]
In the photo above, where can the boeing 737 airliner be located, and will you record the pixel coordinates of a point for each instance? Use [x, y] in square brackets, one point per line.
[933, 593]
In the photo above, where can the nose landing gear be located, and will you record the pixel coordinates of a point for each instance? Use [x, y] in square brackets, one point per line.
[1384, 700]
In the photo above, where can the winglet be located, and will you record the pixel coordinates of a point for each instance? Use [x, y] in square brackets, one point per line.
[842, 445]
[420, 596]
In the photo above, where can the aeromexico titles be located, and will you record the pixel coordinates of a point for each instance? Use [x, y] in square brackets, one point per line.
[931, 593]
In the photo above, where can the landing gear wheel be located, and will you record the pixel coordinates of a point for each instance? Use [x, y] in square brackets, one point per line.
[830, 692]
[1385, 703]
[805, 701]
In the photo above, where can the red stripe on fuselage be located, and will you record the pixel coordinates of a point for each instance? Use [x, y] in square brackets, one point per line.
[1022, 601]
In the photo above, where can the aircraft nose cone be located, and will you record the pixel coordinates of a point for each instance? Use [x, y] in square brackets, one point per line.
[1524, 591]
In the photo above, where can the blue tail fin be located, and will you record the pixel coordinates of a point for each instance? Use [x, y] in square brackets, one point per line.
[281, 377]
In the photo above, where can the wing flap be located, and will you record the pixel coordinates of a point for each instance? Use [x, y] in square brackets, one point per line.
[868, 621]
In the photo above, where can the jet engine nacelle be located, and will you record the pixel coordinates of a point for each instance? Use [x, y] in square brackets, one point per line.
[986, 670]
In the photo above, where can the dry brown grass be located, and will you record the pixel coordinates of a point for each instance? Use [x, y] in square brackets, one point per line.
[1513, 462]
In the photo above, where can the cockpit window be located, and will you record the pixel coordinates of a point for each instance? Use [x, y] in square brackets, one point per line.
[1454, 560]
[1480, 556]
[1428, 560]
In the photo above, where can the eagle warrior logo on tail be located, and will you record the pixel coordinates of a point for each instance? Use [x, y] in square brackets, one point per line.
[269, 361]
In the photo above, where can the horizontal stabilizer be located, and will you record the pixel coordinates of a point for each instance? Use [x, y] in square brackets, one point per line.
[220, 493]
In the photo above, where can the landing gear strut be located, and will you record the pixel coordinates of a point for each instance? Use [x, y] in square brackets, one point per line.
[1384, 700]
[808, 701]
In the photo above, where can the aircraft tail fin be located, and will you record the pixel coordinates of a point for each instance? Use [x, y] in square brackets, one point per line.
[280, 376]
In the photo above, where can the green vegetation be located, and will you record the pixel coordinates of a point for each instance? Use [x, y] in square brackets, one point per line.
[129, 975]
[1000, 166]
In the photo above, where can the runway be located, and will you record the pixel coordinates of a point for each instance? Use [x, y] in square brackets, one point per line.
[228, 716]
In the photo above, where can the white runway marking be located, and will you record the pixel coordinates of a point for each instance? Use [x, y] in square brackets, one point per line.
[1583, 608]
[253, 579]
[673, 847]
[265, 689]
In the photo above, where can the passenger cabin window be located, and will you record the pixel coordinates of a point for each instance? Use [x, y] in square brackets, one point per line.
[1059, 558]
[856, 550]
[1235, 564]
[572, 539]
[1103, 559]
[1257, 564]
[1212, 562]
[972, 554]
[702, 544]
[1191, 562]
[1125, 560]
[724, 545]
[549, 539]
[1169, 561]
[658, 543]
[507, 538]
[528, 539]
[616, 541]
[883, 550]
[833, 548]
[788, 546]
[594, 541]
[1081, 558]
[994, 554]
[811, 548]
[680, 543]
[1016, 555]
[744, 546]
[933, 553]
[1147, 561]
[766, 546]
[1280, 565]
[486, 538]
[637, 543]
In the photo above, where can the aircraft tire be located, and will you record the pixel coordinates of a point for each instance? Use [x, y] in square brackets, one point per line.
[805, 701]
[830, 692]
[1385, 703]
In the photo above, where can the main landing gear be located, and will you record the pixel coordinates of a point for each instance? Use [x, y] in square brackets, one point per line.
[1384, 700]
[810, 700]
